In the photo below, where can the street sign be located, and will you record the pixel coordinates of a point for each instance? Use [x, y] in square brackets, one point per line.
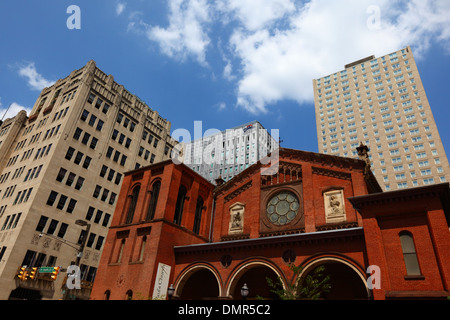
[46, 269]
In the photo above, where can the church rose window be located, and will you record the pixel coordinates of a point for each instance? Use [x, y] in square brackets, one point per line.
[282, 208]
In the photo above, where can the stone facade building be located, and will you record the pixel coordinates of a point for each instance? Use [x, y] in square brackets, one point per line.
[60, 173]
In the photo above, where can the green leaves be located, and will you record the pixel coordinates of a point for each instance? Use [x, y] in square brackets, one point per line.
[310, 287]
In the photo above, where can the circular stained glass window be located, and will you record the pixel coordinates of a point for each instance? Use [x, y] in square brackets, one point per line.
[282, 208]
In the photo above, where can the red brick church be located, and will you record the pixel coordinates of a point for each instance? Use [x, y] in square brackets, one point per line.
[172, 228]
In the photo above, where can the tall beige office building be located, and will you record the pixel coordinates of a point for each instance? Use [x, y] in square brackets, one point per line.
[381, 102]
[61, 170]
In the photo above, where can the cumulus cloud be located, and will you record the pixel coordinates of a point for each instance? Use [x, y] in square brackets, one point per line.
[120, 7]
[11, 111]
[255, 14]
[35, 80]
[186, 34]
[275, 48]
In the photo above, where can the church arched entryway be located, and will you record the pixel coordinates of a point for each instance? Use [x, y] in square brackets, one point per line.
[198, 283]
[346, 280]
[254, 275]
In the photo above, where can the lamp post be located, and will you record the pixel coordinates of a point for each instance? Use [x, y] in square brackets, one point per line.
[170, 291]
[244, 291]
[82, 223]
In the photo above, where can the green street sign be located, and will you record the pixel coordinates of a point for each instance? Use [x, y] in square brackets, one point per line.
[46, 269]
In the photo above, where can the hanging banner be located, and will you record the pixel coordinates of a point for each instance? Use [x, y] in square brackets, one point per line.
[161, 281]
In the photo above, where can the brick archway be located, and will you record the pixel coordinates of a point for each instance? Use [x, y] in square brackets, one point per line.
[253, 274]
[187, 287]
[347, 280]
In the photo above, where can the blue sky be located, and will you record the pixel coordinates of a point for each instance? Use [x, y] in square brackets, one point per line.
[224, 62]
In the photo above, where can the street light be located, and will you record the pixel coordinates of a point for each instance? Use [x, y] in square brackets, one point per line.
[82, 223]
[244, 291]
[170, 291]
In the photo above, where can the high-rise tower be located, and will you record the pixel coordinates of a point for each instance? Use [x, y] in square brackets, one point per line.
[60, 173]
[382, 103]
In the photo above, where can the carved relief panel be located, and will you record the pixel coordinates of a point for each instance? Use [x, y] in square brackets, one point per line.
[236, 224]
[334, 206]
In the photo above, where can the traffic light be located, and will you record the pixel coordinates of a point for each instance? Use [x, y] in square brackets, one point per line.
[33, 273]
[23, 274]
[55, 272]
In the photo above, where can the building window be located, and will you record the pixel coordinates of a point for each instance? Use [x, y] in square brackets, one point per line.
[180, 205]
[62, 202]
[51, 198]
[409, 254]
[61, 175]
[41, 224]
[132, 206]
[52, 227]
[198, 215]
[153, 200]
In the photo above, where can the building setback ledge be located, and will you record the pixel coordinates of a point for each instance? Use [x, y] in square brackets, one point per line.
[350, 233]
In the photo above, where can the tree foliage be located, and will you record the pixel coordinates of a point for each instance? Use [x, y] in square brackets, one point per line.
[310, 287]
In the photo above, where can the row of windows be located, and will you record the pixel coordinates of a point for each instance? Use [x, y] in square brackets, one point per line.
[146, 154]
[117, 156]
[111, 174]
[86, 138]
[146, 136]
[33, 173]
[68, 96]
[70, 179]
[62, 202]
[42, 223]
[104, 195]
[99, 214]
[9, 191]
[126, 122]
[415, 183]
[92, 120]
[4, 131]
[11, 221]
[179, 208]
[121, 138]
[99, 103]
[33, 259]
[78, 158]
[23, 196]
[60, 114]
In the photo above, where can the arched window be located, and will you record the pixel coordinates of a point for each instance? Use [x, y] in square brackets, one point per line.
[153, 201]
[409, 254]
[129, 295]
[180, 205]
[198, 215]
[132, 206]
[107, 295]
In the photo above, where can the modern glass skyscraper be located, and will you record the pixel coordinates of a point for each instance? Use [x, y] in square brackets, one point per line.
[382, 103]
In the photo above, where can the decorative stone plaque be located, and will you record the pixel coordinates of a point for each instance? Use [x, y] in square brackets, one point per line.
[334, 206]
[236, 218]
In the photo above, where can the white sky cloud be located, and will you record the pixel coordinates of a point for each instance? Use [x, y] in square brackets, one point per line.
[13, 110]
[35, 80]
[277, 47]
[186, 34]
[120, 7]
